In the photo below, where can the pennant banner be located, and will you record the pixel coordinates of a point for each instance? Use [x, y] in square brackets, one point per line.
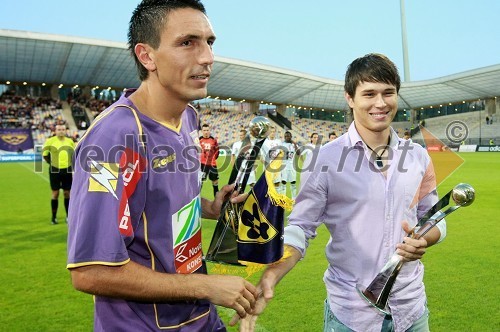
[260, 230]
[252, 232]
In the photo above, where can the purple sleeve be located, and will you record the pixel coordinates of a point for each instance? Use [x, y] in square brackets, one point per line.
[106, 196]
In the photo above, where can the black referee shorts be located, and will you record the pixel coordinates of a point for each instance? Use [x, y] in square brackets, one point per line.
[60, 178]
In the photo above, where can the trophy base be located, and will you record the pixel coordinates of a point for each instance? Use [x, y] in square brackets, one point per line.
[371, 299]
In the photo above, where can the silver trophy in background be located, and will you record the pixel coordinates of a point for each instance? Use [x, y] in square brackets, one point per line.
[378, 292]
[258, 129]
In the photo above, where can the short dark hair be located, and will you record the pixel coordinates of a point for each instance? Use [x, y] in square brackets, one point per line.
[147, 22]
[372, 67]
[332, 133]
[205, 125]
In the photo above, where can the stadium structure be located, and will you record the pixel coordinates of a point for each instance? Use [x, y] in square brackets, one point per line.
[85, 75]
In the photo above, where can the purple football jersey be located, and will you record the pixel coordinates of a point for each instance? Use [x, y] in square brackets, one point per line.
[136, 196]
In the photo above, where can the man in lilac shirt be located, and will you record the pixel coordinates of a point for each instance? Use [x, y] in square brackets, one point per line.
[368, 187]
[134, 236]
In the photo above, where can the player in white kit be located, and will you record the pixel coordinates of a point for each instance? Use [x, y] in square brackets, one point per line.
[289, 174]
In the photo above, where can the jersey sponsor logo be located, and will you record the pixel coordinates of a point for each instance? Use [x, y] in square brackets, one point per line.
[186, 226]
[163, 161]
[188, 255]
[14, 139]
[125, 221]
[255, 228]
[132, 165]
[103, 177]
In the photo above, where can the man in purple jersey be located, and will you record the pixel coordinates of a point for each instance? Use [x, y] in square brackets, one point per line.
[135, 220]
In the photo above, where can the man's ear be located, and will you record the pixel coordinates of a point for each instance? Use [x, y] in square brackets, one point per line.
[349, 100]
[144, 54]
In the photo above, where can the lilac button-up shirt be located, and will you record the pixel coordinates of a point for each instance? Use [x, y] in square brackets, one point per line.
[363, 208]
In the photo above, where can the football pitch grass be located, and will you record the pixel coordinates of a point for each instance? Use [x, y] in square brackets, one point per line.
[461, 274]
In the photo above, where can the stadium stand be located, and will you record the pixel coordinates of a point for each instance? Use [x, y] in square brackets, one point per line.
[95, 107]
[40, 114]
[302, 128]
[225, 125]
[473, 120]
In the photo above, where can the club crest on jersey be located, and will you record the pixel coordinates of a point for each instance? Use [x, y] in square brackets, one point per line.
[103, 177]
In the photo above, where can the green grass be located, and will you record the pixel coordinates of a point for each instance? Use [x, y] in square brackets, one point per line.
[461, 273]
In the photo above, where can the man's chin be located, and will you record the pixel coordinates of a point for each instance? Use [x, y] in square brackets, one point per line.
[197, 95]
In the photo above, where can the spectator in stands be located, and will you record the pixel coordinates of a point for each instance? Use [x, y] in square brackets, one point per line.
[134, 236]
[238, 148]
[351, 195]
[289, 174]
[57, 152]
[209, 155]
[487, 120]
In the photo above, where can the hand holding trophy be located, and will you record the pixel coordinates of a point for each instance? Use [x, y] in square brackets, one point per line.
[378, 292]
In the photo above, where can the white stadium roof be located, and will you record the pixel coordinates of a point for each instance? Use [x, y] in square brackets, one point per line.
[55, 59]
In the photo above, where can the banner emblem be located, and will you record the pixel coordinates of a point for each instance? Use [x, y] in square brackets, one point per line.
[254, 227]
[14, 139]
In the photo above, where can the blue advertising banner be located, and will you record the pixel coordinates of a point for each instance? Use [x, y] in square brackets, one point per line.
[15, 140]
[20, 157]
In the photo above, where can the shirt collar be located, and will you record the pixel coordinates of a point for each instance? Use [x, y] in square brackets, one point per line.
[356, 140]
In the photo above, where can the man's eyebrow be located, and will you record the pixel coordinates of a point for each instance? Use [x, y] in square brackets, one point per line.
[193, 36]
[375, 90]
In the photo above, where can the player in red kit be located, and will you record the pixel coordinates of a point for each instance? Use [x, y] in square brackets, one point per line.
[209, 154]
